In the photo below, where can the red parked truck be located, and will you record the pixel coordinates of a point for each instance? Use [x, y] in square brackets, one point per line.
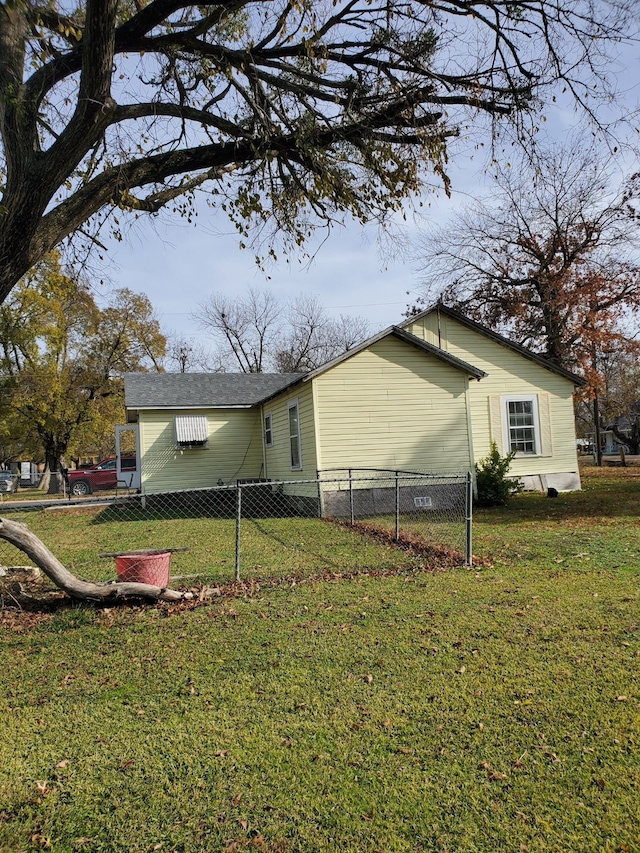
[102, 475]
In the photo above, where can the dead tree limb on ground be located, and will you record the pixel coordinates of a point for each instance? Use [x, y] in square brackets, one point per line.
[19, 535]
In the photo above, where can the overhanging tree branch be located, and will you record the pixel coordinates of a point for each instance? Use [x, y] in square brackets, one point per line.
[354, 101]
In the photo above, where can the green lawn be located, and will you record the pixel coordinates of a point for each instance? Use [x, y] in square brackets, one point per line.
[270, 547]
[487, 709]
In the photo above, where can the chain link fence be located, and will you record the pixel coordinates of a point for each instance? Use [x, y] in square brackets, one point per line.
[343, 522]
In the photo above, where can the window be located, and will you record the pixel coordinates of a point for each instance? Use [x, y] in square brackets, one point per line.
[191, 431]
[294, 435]
[522, 431]
[268, 430]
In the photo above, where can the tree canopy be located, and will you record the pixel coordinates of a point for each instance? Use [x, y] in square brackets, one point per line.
[286, 113]
[62, 360]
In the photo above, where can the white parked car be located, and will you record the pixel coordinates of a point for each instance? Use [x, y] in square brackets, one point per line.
[8, 482]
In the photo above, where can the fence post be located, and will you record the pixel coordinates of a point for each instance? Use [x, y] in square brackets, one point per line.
[397, 508]
[351, 497]
[238, 525]
[468, 520]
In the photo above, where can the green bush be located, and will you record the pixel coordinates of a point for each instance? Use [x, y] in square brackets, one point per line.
[494, 487]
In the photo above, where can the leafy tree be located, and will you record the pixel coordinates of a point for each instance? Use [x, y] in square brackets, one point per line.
[257, 333]
[62, 357]
[288, 114]
[549, 260]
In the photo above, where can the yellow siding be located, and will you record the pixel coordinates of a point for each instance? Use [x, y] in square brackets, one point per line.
[393, 406]
[509, 373]
[278, 457]
[234, 451]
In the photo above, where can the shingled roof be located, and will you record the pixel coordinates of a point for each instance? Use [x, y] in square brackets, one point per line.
[202, 390]
[243, 390]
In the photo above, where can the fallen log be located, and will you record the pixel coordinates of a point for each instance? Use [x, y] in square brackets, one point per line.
[18, 534]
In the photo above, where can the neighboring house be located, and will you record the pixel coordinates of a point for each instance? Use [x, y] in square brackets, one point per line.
[621, 432]
[428, 396]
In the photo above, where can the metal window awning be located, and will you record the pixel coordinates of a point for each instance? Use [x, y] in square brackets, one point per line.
[191, 428]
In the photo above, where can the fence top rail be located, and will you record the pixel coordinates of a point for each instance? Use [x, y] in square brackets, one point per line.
[393, 472]
[389, 476]
[443, 479]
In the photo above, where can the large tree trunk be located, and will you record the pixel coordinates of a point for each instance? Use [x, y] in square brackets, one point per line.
[20, 536]
[53, 478]
[631, 441]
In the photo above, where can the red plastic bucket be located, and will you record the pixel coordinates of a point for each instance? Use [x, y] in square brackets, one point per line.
[150, 567]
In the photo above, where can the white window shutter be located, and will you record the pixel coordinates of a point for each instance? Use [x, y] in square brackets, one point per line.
[191, 429]
[546, 435]
[495, 421]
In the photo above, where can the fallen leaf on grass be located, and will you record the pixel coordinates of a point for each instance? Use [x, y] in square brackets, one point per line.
[62, 764]
[405, 750]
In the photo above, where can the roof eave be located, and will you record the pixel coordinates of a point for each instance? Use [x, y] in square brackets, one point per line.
[166, 408]
[495, 336]
[277, 393]
[464, 366]
[408, 338]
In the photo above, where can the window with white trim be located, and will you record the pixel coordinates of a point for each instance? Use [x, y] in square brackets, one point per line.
[522, 430]
[294, 435]
[268, 430]
[192, 431]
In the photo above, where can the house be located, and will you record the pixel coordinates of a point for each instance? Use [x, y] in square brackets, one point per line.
[525, 403]
[427, 396]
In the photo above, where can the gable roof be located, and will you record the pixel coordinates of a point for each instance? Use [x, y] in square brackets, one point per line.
[499, 339]
[243, 390]
[401, 334]
[202, 390]
[408, 338]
